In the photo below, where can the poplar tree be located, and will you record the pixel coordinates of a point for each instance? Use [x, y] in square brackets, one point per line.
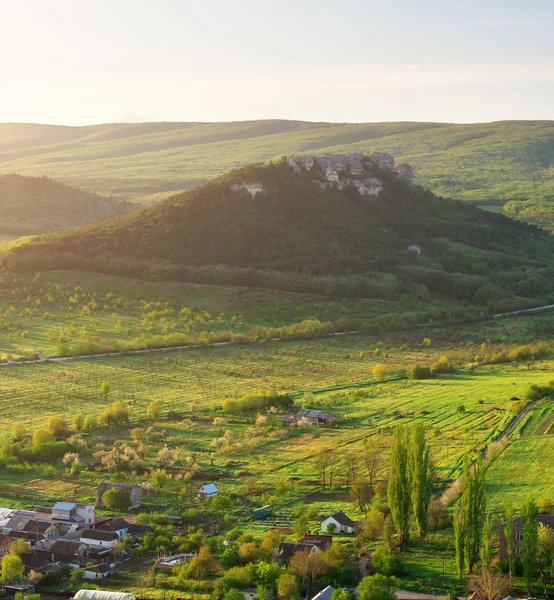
[530, 544]
[398, 491]
[470, 515]
[420, 478]
[508, 534]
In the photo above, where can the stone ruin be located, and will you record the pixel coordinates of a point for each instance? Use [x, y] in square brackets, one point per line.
[252, 187]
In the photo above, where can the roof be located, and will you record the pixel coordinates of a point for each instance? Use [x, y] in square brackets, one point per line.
[26, 535]
[34, 526]
[36, 560]
[66, 546]
[116, 525]
[103, 568]
[98, 534]
[64, 506]
[325, 594]
[323, 542]
[209, 488]
[102, 595]
[5, 538]
[312, 413]
[342, 519]
[288, 549]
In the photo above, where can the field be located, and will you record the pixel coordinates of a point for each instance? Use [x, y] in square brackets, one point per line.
[505, 160]
[256, 463]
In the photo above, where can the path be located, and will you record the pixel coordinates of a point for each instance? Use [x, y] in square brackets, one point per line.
[43, 359]
[516, 421]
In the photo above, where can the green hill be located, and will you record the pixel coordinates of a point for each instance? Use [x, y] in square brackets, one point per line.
[509, 160]
[30, 205]
[303, 233]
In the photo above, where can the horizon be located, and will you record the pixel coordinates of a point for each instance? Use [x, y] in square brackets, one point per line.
[133, 62]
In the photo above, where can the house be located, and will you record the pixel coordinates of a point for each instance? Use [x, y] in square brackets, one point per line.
[207, 491]
[323, 542]
[325, 594]
[338, 523]
[73, 512]
[99, 538]
[287, 550]
[5, 543]
[97, 571]
[49, 530]
[285, 419]
[68, 552]
[517, 534]
[119, 526]
[314, 417]
[133, 491]
[40, 562]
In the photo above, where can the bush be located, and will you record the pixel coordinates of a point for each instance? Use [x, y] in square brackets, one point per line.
[418, 371]
[384, 562]
[442, 367]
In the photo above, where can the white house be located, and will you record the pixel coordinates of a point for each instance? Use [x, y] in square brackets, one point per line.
[119, 526]
[338, 523]
[99, 539]
[97, 571]
[208, 491]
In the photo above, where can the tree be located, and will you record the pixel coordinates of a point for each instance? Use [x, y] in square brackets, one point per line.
[362, 493]
[384, 562]
[79, 422]
[19, 431]
[398, 491]
[301, 525]
[469, 517]
[530, 544]
[287, 587]
[233, 594]
[19, 547]
[308, 567]
[154, 410]
[378, 587]
[322, 462]
[420, 478]
[340, 594]
[220, 422]
[115, 499]
[105, 390]
[271, 540]
[159, 479]
[546, 551]
[56, 425]
[380, 371]
[42, 436]
[372, 460]
[490, 584]
[12, 568]
[372, 526]
[508, 534]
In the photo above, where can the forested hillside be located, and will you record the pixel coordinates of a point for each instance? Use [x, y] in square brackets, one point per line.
[31, 205]
[509, 160]
[302, 232]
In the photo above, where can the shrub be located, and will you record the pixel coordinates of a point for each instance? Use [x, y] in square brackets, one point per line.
[384, 562]
[442, 367]
[418, 371]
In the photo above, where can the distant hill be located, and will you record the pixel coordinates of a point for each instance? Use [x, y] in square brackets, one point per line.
[368, 234]
[31, 205]
[508, 160]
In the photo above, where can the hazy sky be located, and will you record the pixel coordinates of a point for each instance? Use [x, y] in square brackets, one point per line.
[93, 61]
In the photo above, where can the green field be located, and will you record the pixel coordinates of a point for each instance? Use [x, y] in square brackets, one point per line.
[509, 160]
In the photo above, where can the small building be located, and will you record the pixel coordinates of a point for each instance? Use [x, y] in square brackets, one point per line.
[207, 491]
[5, 542]
[98, 571]
[325, 594]
[133, 491]
[314, 416]
[119, 526]
[99, 538]
[73, 512]
[338, 523]
[517, 534]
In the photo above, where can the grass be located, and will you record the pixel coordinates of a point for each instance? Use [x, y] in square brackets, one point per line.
[505, 160]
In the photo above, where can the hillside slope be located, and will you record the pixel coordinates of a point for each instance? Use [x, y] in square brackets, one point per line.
[269, 225]
[510, 160]
[31, 205]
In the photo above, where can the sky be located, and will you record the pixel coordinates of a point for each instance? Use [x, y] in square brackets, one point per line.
[81, 62]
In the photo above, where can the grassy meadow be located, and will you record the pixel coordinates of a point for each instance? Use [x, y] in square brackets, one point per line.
[505, 160]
